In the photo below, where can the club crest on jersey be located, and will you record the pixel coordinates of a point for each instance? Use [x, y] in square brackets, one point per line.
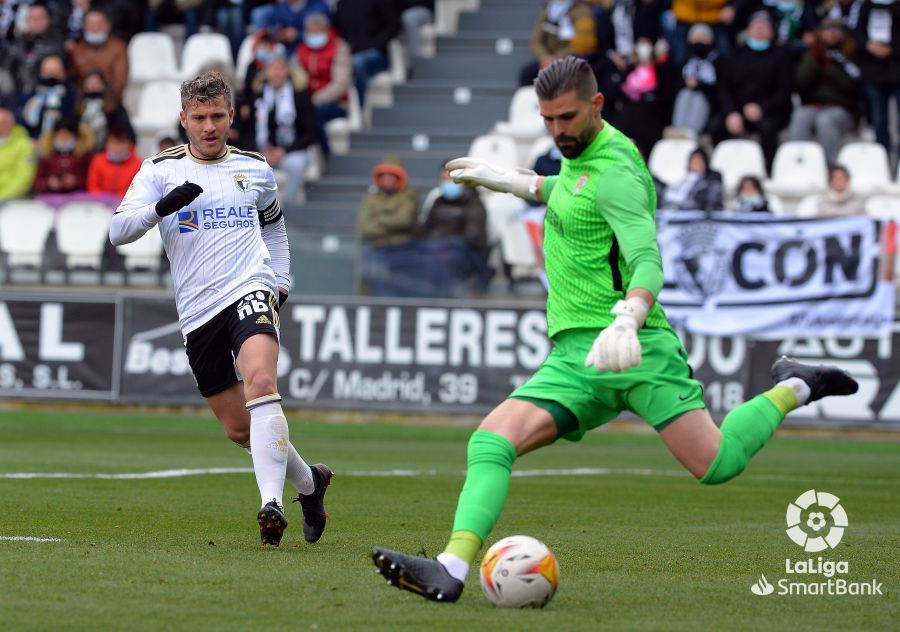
[187, 222]
[241, 182]
[583, 180]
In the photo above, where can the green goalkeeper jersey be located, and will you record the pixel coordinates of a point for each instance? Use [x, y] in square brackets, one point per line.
[600, 234]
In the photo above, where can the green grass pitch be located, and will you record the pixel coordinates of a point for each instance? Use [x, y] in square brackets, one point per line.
[640, 546]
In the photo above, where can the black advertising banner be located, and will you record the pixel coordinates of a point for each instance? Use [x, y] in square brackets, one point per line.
[58, 346]
[154, 364]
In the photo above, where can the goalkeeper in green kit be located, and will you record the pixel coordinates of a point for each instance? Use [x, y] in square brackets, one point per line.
[613, 349]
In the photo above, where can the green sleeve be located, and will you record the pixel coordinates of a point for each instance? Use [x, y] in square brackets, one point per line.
[624, 202]
[547, 186]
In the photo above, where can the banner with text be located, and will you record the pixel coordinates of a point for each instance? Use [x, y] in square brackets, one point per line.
[737, 274]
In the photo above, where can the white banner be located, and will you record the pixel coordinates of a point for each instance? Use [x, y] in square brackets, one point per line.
[740, 274]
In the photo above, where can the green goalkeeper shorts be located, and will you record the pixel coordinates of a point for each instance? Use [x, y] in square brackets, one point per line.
[660, 390]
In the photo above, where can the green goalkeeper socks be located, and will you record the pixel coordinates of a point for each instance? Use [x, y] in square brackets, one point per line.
[484, 493]
[746, 429]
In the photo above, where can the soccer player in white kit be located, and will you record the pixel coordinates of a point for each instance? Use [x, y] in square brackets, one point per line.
[225, 237]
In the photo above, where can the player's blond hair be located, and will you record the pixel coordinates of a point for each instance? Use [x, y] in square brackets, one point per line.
[204, 88]
[563, 75]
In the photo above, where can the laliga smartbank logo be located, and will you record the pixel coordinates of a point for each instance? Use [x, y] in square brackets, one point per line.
[816, 521]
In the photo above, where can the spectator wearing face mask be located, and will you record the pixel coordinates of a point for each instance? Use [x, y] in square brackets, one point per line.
[66, 158]
[697, 96]
[99, 109]
[17, 163]
[754, 88]
[51, 100]
[38, 40]
[285, 18]
[112, 170]
[101, 51]
[750, 197]
[326, 59]
[828, 83]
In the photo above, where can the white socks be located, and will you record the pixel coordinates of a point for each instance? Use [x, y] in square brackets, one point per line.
[800, 388]
[272, 472]
[457, 567]
[269, 438]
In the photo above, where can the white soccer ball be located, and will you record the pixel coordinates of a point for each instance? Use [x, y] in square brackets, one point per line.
[519, 572]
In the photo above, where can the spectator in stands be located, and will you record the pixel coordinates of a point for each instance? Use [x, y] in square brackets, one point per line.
[828, 83]
[643, 110]
[750, 197]
[563, 27]
[718, 14]
[388, 225]
[167, 142]
[111, 171]
[17, 162]
[185, 12]
[265, 48]
[99, 50]
[414, 14]
[66, 158]
[697, 96]
[326, 59]
[455, 228]
[285, 18]
[52, 99]
[878, 34]
[100, 109]
[754, 88]
[286, 125]
[367, 26]
[839, 199]
[620, 24]
[701, 189]
[39, 40]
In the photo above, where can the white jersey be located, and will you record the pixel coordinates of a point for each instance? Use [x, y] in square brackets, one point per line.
[219, 245]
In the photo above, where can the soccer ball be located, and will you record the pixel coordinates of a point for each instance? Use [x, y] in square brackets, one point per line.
[519, 572]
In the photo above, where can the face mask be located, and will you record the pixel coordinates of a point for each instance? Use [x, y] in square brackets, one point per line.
[753, 199]
[95, 39]
[316, 40]
[65, 147]
[451, 190]
[643, 51]
[117, 157]
[757, 44]
[786, 7]
[264, 56]
[49, 81]
[700, 49]
[93, 95]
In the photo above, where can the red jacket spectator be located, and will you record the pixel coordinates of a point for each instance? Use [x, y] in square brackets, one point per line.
[113, 170]
[328, 66]
[67, 157]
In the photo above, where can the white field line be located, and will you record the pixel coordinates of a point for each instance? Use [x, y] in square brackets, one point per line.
[27, 538]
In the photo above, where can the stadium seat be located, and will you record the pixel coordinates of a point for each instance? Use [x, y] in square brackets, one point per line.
[158, 111]
[142, 254]
[736, 158]
[883, 207]
[498, 150]
[24, 228]
[799, 168]
[244, 59]
[669, 159]
[775, 204]
[82, 230]
[203, 49]
[446, 14]
[525, 123]
[808, 206]
[151, 57]
[868, 165]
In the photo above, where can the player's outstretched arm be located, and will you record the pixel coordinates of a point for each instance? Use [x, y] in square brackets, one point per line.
[476, 172]
[144, 206]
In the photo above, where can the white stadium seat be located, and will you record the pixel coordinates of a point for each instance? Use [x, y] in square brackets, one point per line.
[24, 228]
[669, 159]
[736, 158]
[808, 206]
[525, 123]
[203, 49]
[883, 207]
[159, 106]
[244, 59]
[799, 168]
[82, 230]
[144, 253]
[868, 165]
[497, 150]
[151, 56]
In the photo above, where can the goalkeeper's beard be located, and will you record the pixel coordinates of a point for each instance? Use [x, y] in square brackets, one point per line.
[573, 146]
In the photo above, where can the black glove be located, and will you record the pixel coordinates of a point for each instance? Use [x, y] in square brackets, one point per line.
[178, 198]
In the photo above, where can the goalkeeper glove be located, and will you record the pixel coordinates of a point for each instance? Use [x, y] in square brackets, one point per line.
[617, 348]
[178, 198]
[477, 172]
